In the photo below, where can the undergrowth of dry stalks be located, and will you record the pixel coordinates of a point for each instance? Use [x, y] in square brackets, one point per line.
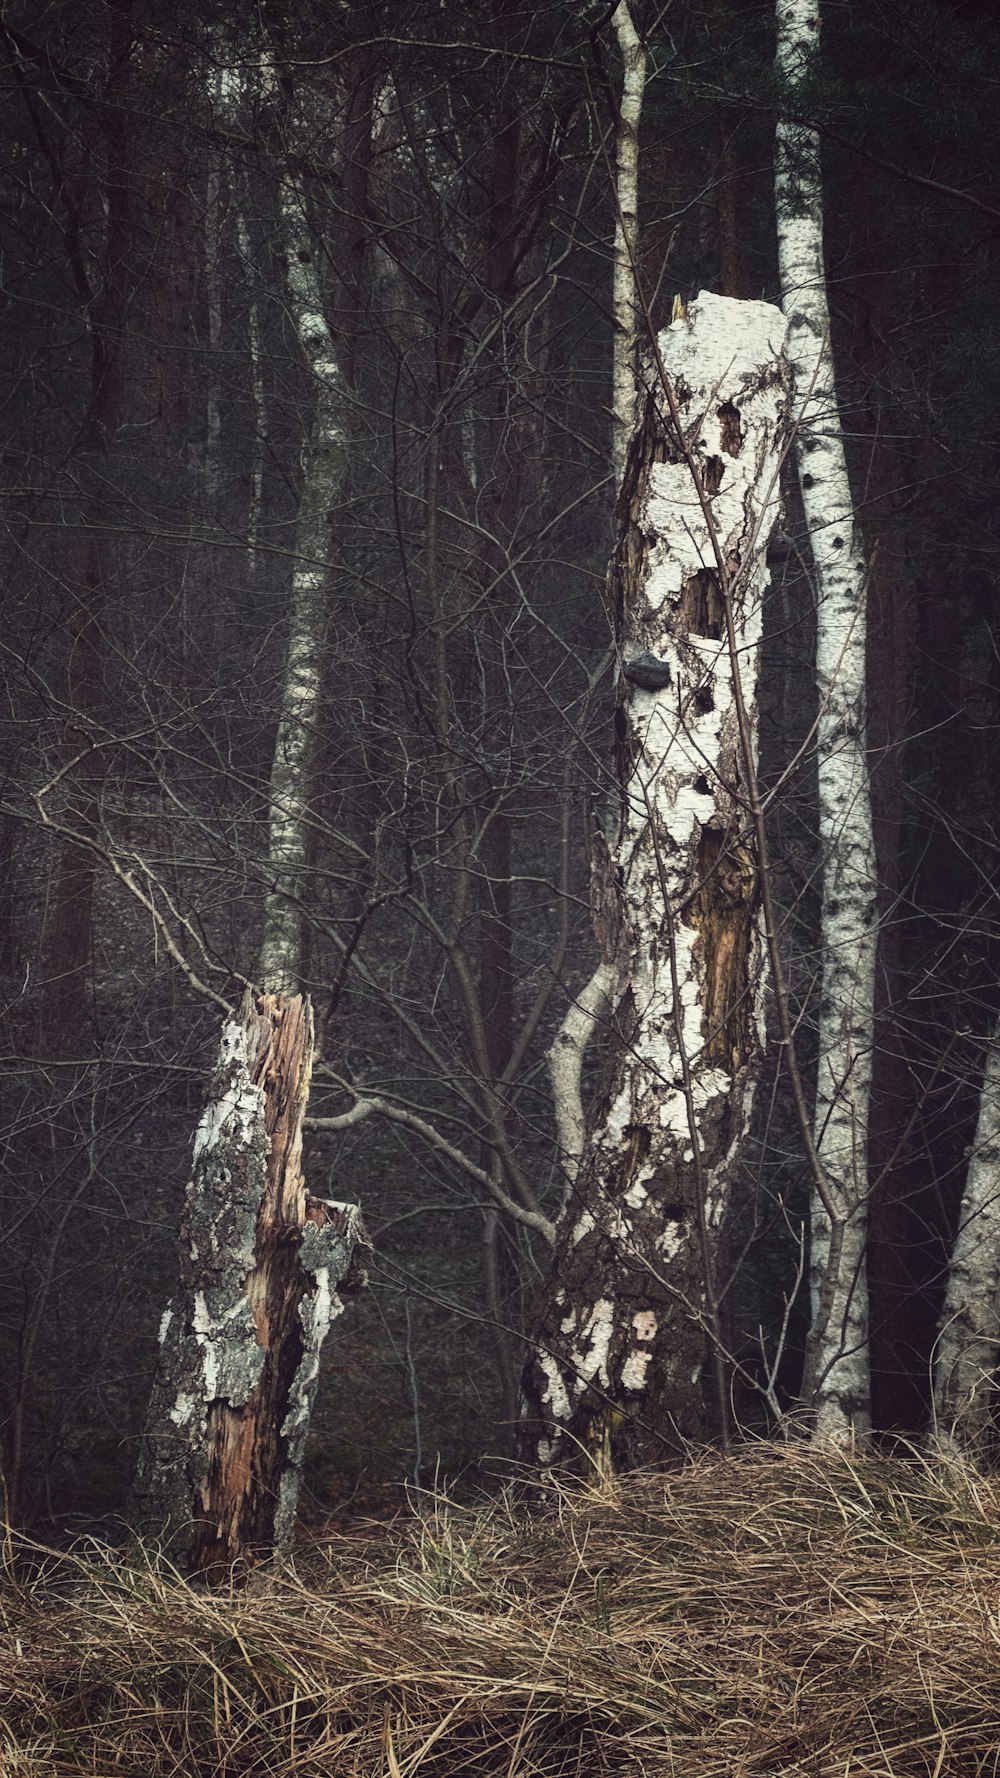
[778, 1612]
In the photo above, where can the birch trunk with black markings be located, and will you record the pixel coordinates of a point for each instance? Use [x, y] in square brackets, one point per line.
[628, 1316]
[836, 1386]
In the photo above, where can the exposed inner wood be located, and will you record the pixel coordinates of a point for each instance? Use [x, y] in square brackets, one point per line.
[247, 1449]
[724, 910]
[701, 609]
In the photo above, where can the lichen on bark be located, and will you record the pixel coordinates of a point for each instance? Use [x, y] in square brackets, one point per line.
[220, 1460]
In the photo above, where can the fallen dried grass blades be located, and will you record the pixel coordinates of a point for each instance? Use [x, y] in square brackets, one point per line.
[779, 1612]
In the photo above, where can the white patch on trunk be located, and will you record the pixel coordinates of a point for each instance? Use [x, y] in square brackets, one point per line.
[182, 1410]
[555, 1396]
[670, 1242]
[644, 1326]
[634, 1370]
[598, 1329]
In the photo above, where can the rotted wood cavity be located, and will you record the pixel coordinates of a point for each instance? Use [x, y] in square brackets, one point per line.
[702, 612]
[731, 428]
[724, 912]
[635, 1148]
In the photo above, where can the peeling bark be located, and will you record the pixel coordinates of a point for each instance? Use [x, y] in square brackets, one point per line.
[836, 1385]
[220, 1461]
[968, 1347]
[618, 1356]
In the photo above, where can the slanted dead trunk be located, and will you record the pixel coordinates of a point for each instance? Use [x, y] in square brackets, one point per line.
[261, 1261]
[629, 1313]
[968, 1346]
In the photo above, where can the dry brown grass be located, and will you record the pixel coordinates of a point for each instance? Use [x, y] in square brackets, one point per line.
[781, 1612]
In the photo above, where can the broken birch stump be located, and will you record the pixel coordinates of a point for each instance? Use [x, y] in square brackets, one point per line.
[220, 1460]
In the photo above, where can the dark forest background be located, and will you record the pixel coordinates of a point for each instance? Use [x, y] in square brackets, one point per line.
[154, 407]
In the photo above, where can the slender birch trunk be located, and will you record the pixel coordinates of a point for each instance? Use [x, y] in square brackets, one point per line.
[626, 248]
[968, 1346]
[836, 1384]
[617, 1364]
[591, 1004]
[280, 960]
[259, 398]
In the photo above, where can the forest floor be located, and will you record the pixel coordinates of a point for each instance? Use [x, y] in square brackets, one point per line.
[778, 1612]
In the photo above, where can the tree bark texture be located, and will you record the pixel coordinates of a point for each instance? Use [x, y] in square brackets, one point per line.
[220, 1461]
[616, 1368]
[280, 960]
[626, 248]
[836, 1385]
[968, 1347]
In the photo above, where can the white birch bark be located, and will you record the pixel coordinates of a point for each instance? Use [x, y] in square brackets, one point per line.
[259, 398]
[280, 958]
[968, 1345]
[626, 247]
[837, 1370]
[619, 1348]
[590, 1006]
[587, 1009]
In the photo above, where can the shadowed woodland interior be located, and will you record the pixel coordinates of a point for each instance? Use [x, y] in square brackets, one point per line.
[181, 186]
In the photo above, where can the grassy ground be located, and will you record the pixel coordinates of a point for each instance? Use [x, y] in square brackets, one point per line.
[781, 1612]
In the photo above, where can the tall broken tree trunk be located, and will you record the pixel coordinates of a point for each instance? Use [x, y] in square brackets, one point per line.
[221, 1459]
[968, 1346]
[629, 1313]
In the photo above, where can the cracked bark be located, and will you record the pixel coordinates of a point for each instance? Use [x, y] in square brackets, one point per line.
[616, 1371]
[262, 1265]
[968, 1347]
[836, 1384]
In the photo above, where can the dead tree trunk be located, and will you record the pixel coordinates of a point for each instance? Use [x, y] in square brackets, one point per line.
[221, 1458]
[616, 1366]
[968, 1346]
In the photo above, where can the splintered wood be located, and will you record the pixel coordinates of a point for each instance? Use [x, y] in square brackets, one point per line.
[220, 1461]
